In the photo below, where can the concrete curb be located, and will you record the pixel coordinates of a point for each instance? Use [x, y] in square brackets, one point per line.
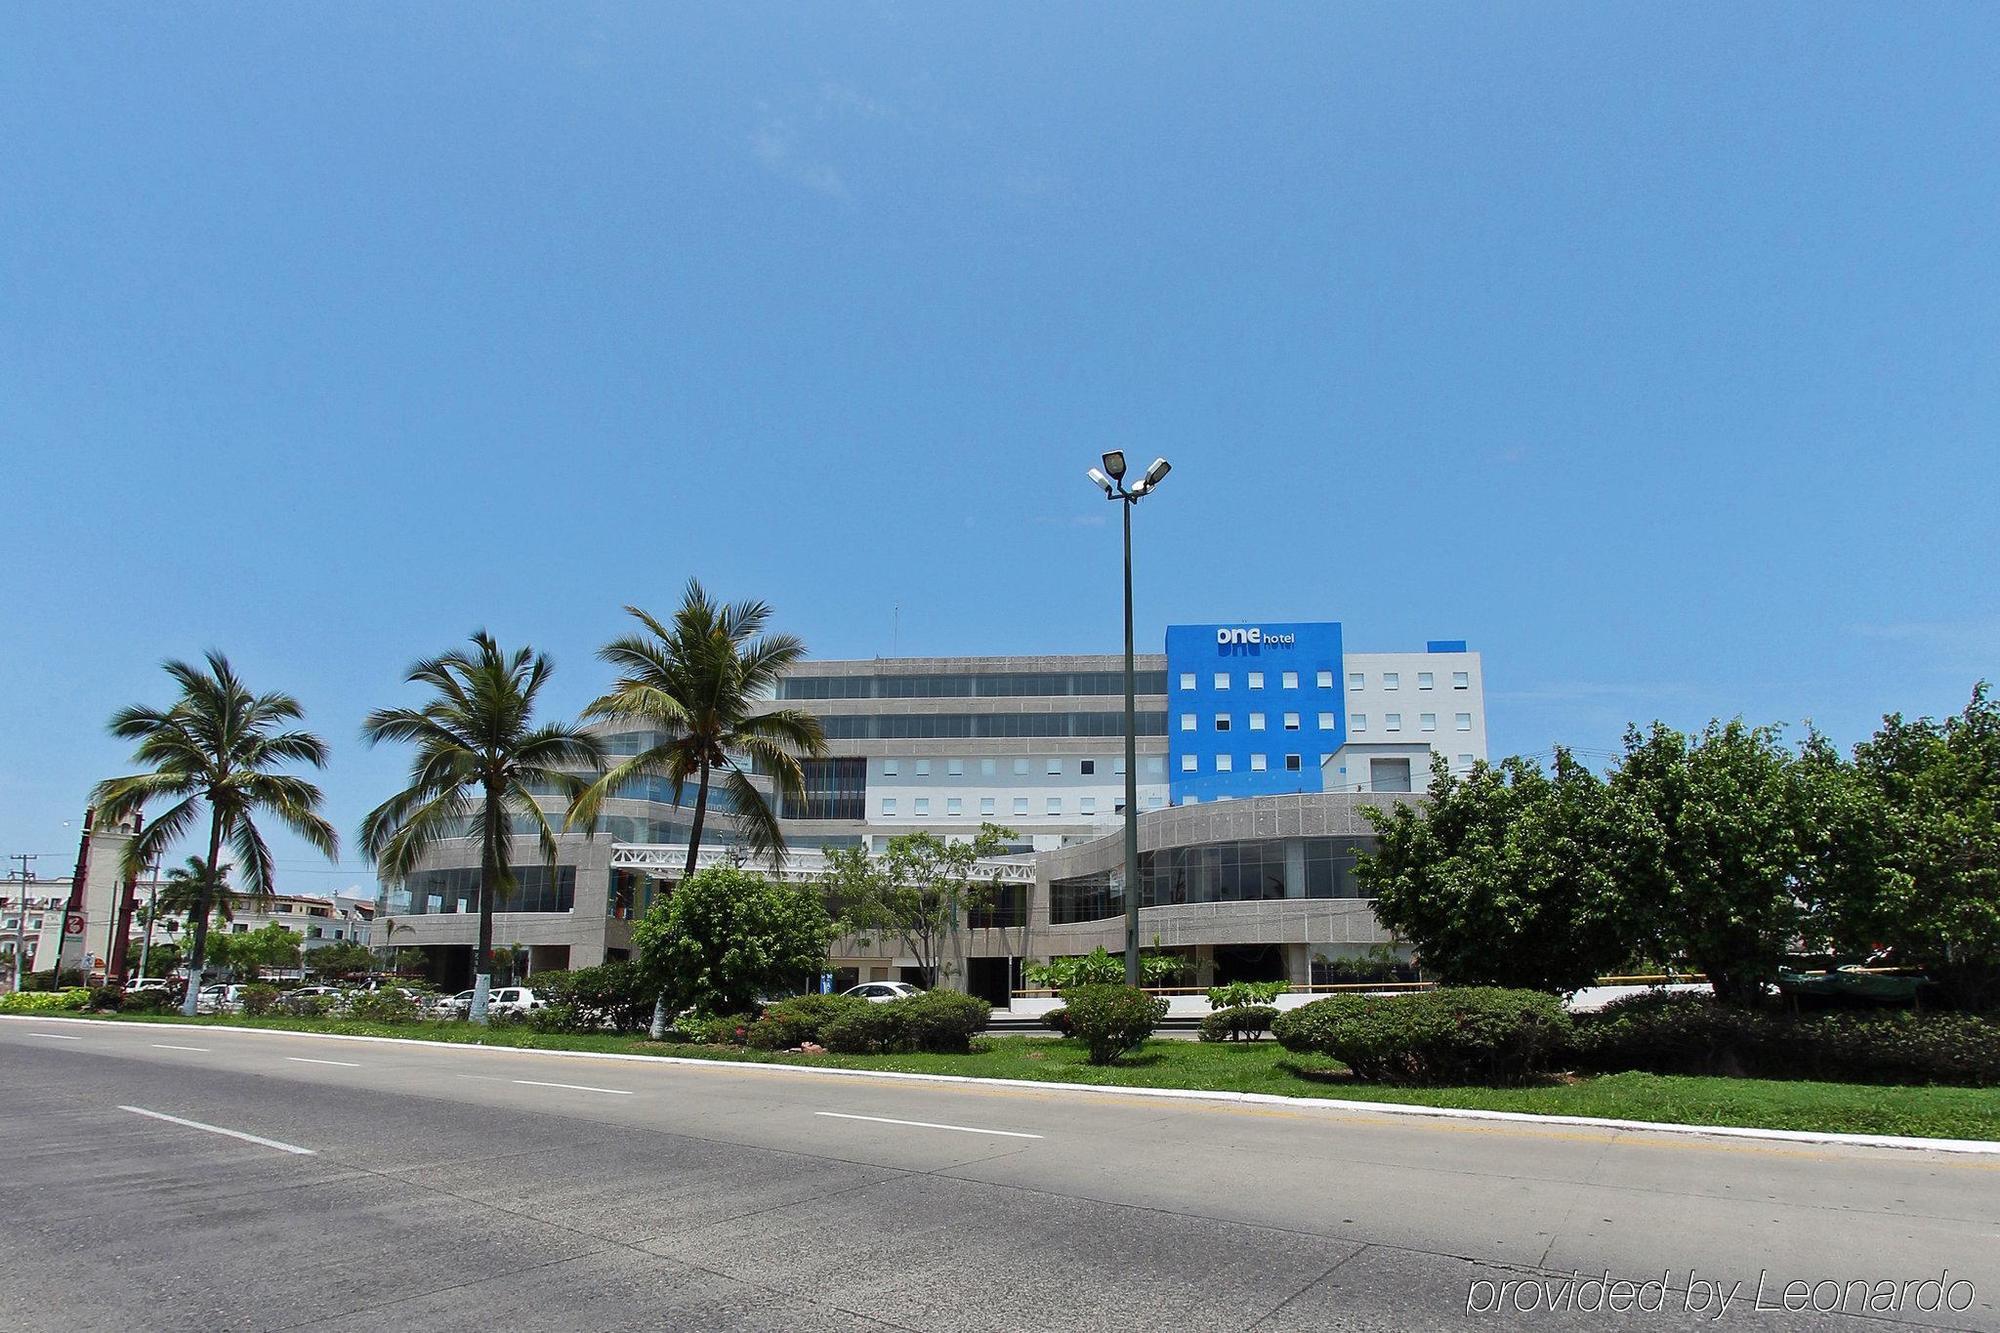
[1905, 1142]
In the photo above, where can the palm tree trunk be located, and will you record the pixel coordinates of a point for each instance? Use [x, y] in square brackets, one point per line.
[202, 903]
[482, 963]
[658, 1029]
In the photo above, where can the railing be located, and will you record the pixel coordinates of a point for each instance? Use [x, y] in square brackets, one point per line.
[803, 863]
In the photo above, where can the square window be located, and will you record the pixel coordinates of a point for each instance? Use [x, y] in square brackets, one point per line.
[1222, 680]
[888, 805]
[1118, 767]
[1020, 768]
[923, 806]
[1256, 722]
[1392, 680]
[1257, 763]
[1055, 805]
[1392, 722]
[1087, 805]
[954, 768]
[1326, 721]
[1222, 721]
[1256, 681]
[1463, 721]
[1190, 800]
[923, 768]
[1323, 679]
[1291, 722]
[1425, 680]
[1187, 721]
[1357, 680]
[890, 768]
[1461, 680]
[1187, 680]
[1428, 721]
[1357, 722]
[1224, 763]
[1155, 766]
[1055, 768]
[1087, 767]
[1290, 680]
[1020, 805]
[1295, 763]
[1189, 763]
[1465, 761]
[989, 768]
[1153, 800]
[954, 806]
[986, 805]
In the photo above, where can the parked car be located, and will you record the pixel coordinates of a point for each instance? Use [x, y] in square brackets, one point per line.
[219, 1000]
[881, 992]
[514, 1001]
[303, 998]
[139, 985]
[455, 1006]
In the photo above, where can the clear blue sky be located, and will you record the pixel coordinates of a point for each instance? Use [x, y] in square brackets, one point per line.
[1650, 348]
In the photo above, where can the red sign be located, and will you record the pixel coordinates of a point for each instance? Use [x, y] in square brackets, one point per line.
[73, 925]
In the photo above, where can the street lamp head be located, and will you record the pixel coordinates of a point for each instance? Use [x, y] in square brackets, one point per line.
[1114, 463]
[1099, 479]
[1157, 473]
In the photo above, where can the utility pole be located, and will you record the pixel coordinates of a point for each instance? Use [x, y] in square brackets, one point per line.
[152, 914]
[26, 877]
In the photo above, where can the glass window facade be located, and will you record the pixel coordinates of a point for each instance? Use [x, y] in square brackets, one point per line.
[1225, 872]
[445, 892]
[834, 789]
[950, 726]
[986, 685]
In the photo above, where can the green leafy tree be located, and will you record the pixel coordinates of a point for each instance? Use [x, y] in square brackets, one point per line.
[919, 890]
[341, 958]
[1931, 890]
[269, 946]
[214, 749]
[727, 938]
[480, 761]
[701, 684]
[1508, 876]
[1721, 854]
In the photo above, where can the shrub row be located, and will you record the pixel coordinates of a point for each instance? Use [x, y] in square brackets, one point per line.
[804, 1018]
[937, 1022]
[612, 997]
[44, 1001]
[1668, 1033]
[1476, 1034]
[1244, 1022]
[1111, 1020]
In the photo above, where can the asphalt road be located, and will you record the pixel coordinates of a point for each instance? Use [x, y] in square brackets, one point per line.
[392, 1186]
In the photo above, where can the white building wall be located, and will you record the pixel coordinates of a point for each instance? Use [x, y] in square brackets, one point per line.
[1043, 797]
[1391, 709]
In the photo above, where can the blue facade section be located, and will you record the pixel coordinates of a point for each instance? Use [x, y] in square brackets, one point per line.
[1233, 671]
[1445, 646]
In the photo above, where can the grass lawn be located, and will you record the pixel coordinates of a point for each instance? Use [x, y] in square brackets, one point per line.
[1852, 1108]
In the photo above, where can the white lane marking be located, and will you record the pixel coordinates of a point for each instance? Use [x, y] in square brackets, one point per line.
[308, 1060]
[226, 1133]
[163, 1046]
[926, 1124]
[573, 1087]
[55, 1036]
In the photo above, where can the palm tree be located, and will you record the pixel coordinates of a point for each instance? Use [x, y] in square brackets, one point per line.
[186, 884]
[215, 748]
[698, 685]
[480, 760]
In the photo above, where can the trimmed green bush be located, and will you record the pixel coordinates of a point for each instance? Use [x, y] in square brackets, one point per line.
[1244, 1022]
[1239, 993]
[106, 997]
[799, 1020]
[382, 1006]
[1680, 1033]
[1111, 1020]
[259, 1000]
[1471, 1034]
[147, 1002]
[716, 1029]
[1057, 1020]
[939, 1022]
[611, 995]
[44, 1001]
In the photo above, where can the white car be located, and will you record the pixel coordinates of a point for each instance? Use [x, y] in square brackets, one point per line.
[515, 1001]
[455, 1006]
[881, 992]
[219, 1000]
[139, 985]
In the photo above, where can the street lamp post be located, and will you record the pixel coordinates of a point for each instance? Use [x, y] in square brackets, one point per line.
[1111, 480]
